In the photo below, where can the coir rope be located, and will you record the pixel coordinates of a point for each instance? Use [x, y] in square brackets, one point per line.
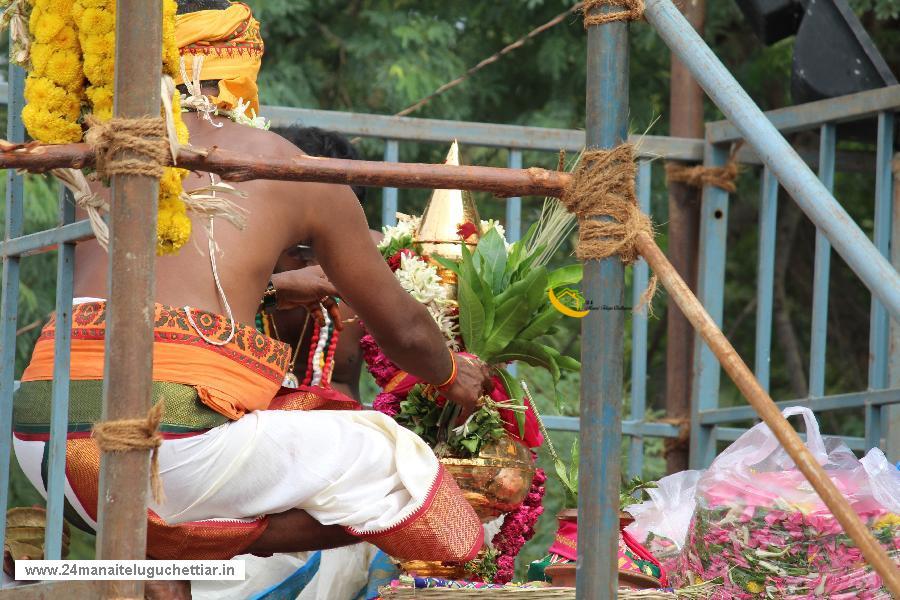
[135, 435]
[602, 196]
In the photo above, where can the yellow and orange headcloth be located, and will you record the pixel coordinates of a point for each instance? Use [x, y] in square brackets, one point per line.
[232, 48]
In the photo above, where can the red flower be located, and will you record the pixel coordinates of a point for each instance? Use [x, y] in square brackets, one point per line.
[467, 230]
[394, 261]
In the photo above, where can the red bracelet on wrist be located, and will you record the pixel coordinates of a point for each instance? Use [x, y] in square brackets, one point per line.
[453, 373]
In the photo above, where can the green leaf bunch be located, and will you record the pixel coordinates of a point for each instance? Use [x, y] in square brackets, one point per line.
[504, 308]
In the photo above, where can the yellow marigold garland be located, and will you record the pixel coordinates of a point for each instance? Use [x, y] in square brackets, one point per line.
[54, 87]
[173, 228]
[96, 20]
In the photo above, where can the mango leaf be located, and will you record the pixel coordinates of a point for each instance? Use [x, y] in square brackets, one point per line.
[513, 291]
[573, 466]
[452, 265]
[467, 267]
[514, 255]
[526, 239]
[541, 324]
[525, 265]
[568, 275]
[573, 472]
[518, 249]
[513, 314]
[562, 473]
[469, 274]
[567, 363]
[536, 291]
[471, 317]
[557, 357]
[516, 395]
[510, 318]
[491, 253]
[532, 353]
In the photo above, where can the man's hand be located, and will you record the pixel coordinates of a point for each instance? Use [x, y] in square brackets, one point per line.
[473, 380]
[307, 288]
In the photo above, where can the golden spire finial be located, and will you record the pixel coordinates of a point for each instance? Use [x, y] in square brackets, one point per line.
[446, 212]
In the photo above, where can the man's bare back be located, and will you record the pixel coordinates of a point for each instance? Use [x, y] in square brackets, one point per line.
[281, 214]
[276, 215]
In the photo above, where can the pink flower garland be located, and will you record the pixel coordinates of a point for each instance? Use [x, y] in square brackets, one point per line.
[379, 365]
[518, 528]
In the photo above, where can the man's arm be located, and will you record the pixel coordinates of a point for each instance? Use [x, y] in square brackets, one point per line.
[339, 236]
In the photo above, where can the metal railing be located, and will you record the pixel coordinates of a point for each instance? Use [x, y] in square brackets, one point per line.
[708, 417]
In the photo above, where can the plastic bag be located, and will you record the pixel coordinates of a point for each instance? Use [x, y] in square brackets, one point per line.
[661, 523]
[761, 528]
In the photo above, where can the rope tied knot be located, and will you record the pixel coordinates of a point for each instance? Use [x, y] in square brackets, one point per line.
[144, 138]
[135, 435]
[629, 10]
[724, 177]
[602, 197]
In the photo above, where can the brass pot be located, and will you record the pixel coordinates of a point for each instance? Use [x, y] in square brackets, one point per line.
[497, 481]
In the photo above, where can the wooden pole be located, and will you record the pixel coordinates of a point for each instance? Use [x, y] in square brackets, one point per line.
[234, 166]
[128, 375]
[765, 407]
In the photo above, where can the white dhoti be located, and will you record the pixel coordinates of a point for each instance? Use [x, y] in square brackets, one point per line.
[356, 469]
[237, 449]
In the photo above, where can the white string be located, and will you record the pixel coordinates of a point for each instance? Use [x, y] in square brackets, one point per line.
[195, 98]
[222, 296]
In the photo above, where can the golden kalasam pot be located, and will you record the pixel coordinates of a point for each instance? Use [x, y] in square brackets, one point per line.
[497, 481]
[494, 483]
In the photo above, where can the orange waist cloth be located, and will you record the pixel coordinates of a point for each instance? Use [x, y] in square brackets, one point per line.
[238, 377]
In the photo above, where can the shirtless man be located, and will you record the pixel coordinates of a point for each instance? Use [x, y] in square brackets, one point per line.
[285, 480]
[290, 323]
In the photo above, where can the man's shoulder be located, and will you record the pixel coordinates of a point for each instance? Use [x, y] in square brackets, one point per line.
[231, 136]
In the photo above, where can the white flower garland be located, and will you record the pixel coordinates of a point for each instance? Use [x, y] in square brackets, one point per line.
[421, 279]
[422, 282]
[406, 227]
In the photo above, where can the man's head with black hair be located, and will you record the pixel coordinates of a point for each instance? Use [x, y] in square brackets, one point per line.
[318, 142]
[191, 6]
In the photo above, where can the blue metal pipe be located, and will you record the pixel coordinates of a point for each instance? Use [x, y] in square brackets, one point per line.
[835, 402]
[730, 434]
[821, 276]
[640, 276]
[44, 241]
[878, 327]
[768, 214]
[389, 198]
[802, 184]
[59, 416]
[711, 292]
[602, 334]
[514, 204]
[9, 296]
